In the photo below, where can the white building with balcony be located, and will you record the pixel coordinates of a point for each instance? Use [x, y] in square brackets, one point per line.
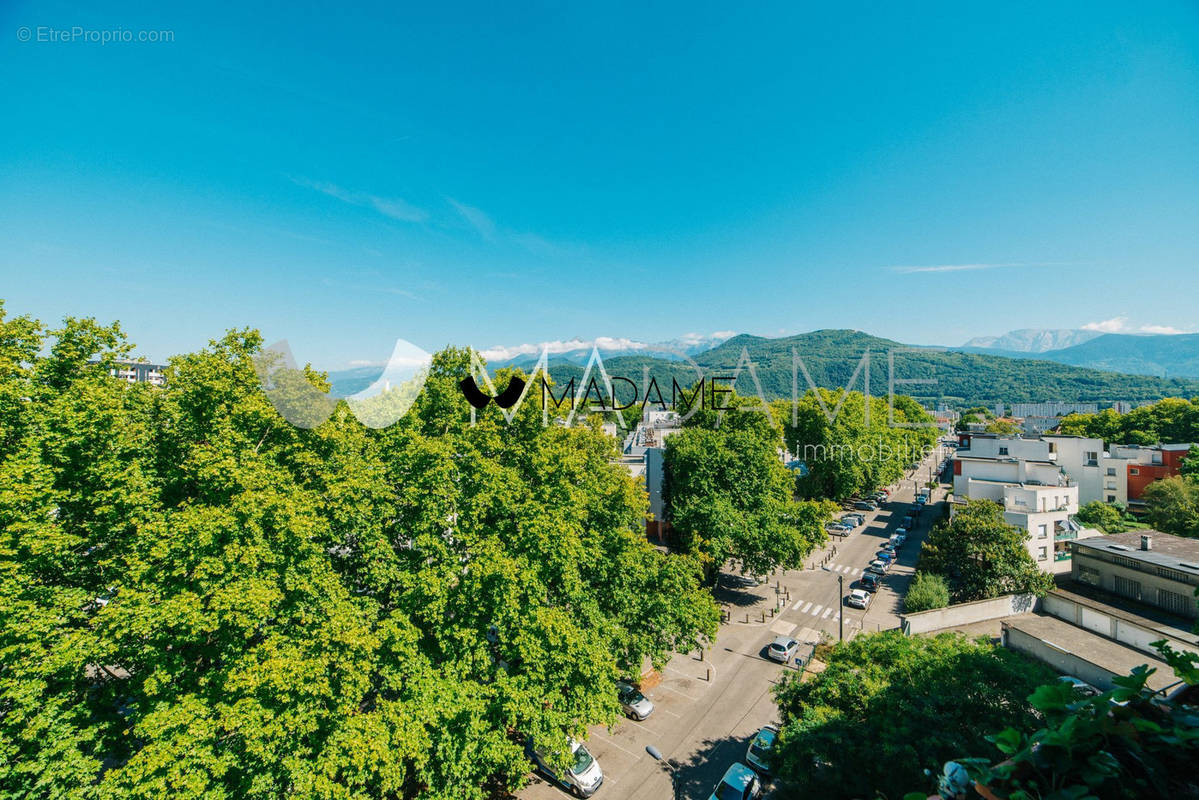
[1035, 493]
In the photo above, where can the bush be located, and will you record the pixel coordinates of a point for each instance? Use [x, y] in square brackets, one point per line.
[926, 592]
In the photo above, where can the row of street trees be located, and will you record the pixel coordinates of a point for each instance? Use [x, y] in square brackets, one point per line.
[198, 599]
[848, 453]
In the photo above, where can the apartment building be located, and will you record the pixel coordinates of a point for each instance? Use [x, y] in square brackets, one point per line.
[1035, 494]
[139, 372]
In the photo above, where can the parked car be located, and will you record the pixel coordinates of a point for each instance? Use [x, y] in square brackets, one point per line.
[758, 755]
[839, 528]
[877, 567]
[858, 598]
[890, 550]
[865, 505]
[885, 557]
[921, 499]
[582, 778]
[1080, 686]
[854, 519]
[782, 649]
[739, 783]
[634, 703]
[899, 537]
[870, 582]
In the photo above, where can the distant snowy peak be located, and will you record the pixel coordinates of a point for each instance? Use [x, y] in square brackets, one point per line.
[578, 350]
[1033, 340]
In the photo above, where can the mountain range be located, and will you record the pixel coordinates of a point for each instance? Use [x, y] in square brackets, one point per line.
[962, 378]
[1175, 355]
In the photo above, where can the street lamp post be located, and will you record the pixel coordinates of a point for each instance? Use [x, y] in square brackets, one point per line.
[656, 755]
[840, 605]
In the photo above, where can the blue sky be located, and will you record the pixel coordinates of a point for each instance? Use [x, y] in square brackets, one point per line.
[497, 174]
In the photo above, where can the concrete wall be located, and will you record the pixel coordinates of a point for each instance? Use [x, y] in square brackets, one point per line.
[1062, 661]
[1123, 630]
[966, 613]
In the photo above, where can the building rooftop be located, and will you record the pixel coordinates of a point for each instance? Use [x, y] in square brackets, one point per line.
[1167, 550]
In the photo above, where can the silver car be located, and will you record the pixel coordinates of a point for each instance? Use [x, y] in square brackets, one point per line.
[782, 649]
[634, 703]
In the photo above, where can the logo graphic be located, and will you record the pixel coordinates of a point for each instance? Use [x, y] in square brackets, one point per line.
[377, 406]
[505, 399]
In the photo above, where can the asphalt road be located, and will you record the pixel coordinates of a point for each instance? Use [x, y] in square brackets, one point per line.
[706, 711]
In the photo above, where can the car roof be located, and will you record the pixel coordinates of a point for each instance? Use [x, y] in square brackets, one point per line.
[785, 641]
[738, 775]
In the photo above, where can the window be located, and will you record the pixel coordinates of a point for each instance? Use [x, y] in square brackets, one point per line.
[1003, 451]
[1089, 575]
[1133, 471]
[1111, 498]
[1042, 532]
[1173, 601]
[1042, 554]
[1126, 587]
[1111, 471]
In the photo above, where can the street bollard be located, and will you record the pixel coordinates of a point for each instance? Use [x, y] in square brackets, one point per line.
[709, 678]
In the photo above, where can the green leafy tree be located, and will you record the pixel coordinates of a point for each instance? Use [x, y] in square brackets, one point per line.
[1190, 464]
[887, 706]
[1119, 745]
[849, 455]
[1104, 516]
[1173, 505]
[982, 556]
[199, 599]
[927, 591]
[730, 498]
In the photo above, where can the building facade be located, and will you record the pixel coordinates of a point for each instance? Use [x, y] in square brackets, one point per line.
[1148, 567]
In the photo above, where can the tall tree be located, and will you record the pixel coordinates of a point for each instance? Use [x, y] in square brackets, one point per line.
[981, 555]
[887, 706]
[199, 599]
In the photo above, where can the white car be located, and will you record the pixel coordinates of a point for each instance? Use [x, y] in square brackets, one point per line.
[739, 783]
[582, 778]
[634, 703]
[878, 567]
[899, 537]
[782, 649]
[858, 598]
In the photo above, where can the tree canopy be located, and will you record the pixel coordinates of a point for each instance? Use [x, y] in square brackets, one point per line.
[1171, 420]
[982, 556]
[851, 455]
[887, 706]
[729, 497]
[198, 599]
[1172, 505]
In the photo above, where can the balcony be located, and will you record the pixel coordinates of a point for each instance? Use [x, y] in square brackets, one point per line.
[1063, 556]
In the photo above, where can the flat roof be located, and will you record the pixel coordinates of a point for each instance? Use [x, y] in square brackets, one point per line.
[1116, 658]
[1175, 552]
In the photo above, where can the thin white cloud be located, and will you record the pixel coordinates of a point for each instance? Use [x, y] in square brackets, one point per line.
[608, 344]
[1120, 325]
[476, 218]
[392, 207]
[908, 270]
[486, 227]
[1167, 330]
[1113, 325]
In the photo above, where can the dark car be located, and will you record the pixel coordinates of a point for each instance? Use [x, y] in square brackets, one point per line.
[870, 582]
[865, 505]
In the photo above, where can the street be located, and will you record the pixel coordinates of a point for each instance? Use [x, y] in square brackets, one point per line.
[707, 711]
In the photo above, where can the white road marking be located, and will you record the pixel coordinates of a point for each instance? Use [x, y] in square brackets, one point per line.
[816, 610]
[828, 612]
[805, 608]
